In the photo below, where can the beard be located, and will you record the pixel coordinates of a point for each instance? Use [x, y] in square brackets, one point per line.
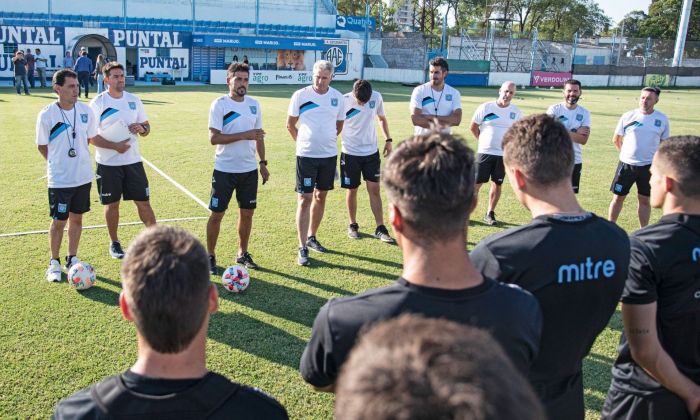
[572, 101]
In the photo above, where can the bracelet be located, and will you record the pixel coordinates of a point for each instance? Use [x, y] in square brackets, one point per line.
[263, 162]
[389, 140]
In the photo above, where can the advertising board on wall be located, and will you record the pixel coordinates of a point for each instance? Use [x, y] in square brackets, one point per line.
[549, 78]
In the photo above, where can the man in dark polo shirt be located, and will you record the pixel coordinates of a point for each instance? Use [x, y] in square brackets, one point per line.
[430, 186]
[167, 294]
[657, 373]
[574, 262]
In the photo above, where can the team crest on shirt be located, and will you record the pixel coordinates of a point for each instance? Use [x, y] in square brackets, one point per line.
[253, 109]
[448, 97]
[132, 105]
[372, 104]
[512, 115]
[579, 117]
[657, 123]
[334, 101]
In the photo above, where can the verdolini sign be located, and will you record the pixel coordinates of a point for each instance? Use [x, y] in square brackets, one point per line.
[548, 78]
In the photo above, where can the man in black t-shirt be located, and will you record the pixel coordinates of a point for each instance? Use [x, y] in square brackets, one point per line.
[574, 262]
[430, 186]
[168, 296]
[657, 373]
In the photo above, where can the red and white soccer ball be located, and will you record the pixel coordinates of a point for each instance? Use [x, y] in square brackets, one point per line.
[235, 279]
[81, 276]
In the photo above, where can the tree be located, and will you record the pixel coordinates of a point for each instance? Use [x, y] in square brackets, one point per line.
[663, 18]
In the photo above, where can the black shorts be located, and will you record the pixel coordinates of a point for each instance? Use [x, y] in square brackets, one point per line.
[223, 184]
[627, 175]
[127, 180]
[352, 166]
[316, 173]
[563, 399]
[489, 166]
[662, 404]
[576, 177]
[69, 200]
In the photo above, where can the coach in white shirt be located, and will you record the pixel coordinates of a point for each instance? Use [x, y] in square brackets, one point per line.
[318, 110]
[577, 121]
[63, 130]
[490, 122]
[637, 137]
[360, 154]
[435, 101]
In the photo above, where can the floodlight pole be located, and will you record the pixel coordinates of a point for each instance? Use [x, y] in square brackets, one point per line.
[682, 33]
[50, 18]
[366, 48]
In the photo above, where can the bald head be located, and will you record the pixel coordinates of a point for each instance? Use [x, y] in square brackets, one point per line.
[506, 93]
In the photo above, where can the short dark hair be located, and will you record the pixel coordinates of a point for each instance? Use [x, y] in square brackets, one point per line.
[236, 67]
[573, 82]
[652, 89]
[440, 62]
[430, 179]
[541, 147]
[682, 155]
[362, 89]
[59, 77]
[165, 277]
[107, 68]
[417, 368]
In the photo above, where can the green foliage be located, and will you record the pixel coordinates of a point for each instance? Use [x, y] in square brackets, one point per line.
[662, 21]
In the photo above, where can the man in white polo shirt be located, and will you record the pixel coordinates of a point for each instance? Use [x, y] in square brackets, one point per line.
[360, 156]
[235, 128]
[121, 174]
[318, 110]
[490, 122]
[577, 121]
[637, 136]
[435, 101]
[63, 130]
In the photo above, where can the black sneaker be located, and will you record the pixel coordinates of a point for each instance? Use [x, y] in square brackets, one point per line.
[383, 235]
[70, 261]
[247, 260]
[354, 231]
[303, 257]
[212, 265]
[491, 219]
[116, 251]
[314, 244]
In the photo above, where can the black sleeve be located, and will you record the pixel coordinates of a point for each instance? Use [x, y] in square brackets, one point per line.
[485, 262]
[640, 287]
[317, 365]
[78, 406]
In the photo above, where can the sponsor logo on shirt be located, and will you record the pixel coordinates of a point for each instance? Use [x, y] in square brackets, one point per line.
[448, 97]
[657, 123]
[83, 118]
[334, 101]
[132, 105]
[586, 270]
[253, 109]
[372, 104]
[512, 115]
[579, 117]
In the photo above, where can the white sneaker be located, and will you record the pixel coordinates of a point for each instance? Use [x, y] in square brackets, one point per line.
[53, 273]
[73, 260]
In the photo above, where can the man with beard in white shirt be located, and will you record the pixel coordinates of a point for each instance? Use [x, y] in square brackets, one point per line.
[63, 130]
[318, 110]
[490, 122]
[577, 121]
[435, 102]
[360, 154]
[120, 174]
[637, 137]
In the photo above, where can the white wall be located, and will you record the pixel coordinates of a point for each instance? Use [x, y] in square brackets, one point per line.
[394, 75]
[591, 80]
[688, 81]
[626, 81]
[520, 79]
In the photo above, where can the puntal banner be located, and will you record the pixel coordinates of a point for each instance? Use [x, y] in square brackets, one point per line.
[549, 78]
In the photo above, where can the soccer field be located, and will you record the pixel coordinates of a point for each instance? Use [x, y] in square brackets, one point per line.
[55, 340]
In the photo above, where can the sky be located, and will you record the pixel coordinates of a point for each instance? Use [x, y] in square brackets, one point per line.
[617, 9]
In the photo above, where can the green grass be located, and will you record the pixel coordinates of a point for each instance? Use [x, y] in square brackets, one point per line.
[55, 340]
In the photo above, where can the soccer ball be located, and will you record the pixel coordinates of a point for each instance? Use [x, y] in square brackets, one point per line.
[81, 276]
[235, 279]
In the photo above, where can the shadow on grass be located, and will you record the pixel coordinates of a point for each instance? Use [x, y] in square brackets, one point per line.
[277, 300]
[317, 263]
[616, 321]
[369, 259]
[331, 289]
[596, 377]
[151, 102]
[252, 336]
[500, 225]
[102, 295]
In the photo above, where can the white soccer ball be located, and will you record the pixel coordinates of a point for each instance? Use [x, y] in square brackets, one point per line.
[235, 279]
[81, 276]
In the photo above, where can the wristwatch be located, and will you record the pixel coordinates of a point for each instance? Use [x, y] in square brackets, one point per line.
[263, 162]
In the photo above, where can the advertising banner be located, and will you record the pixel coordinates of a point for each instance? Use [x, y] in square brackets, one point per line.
[549, 78]
[354, 23]
[658, 80]
[234, 41]
[336, 51]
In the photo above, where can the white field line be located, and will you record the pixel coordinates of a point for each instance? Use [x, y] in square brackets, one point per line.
[178, 185]
[38, 232]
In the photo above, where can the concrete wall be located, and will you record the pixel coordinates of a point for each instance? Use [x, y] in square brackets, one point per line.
[394, 75]
[405, 50]
[688, 81]
[588, 80]
[520, 79]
